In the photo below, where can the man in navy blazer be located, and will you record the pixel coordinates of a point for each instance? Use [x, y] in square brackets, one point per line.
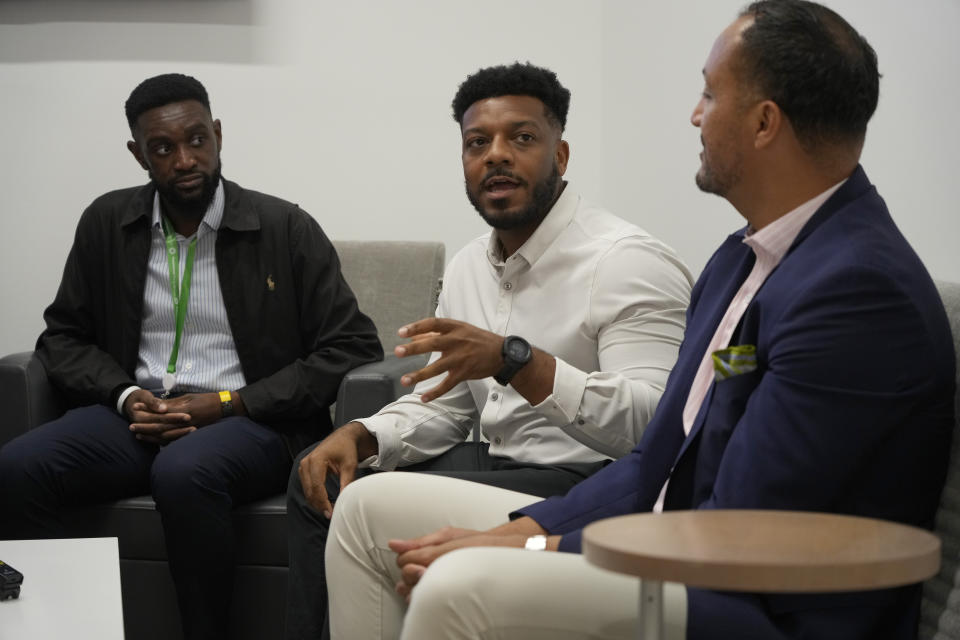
[816, 374]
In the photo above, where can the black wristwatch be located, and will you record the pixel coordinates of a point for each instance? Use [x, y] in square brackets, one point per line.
[516, 354]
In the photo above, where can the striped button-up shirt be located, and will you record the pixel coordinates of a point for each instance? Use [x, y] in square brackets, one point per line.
[207, 359]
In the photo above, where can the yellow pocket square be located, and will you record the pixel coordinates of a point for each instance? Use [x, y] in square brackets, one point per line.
[734, 361]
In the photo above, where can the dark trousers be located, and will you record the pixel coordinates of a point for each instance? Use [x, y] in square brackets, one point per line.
[89, 456]
[307, 590]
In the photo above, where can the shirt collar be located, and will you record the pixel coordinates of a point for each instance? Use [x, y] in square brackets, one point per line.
[211, 218]
[553, 224]
[773, 241]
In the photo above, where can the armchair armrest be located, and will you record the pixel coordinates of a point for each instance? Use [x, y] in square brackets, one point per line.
[369, 387]
[26, 395]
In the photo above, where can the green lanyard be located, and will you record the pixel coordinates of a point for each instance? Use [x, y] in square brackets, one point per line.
[179, 291]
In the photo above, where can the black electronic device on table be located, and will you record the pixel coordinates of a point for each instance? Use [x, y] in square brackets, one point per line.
[10, 581]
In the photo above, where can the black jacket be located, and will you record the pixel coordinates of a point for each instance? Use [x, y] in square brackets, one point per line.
[294, 319]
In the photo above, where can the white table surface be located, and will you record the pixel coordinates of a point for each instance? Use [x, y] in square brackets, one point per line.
[71, 589]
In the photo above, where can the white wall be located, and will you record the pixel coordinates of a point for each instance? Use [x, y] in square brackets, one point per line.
[344, 108]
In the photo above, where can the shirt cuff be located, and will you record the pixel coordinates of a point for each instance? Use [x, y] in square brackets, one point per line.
[388, 443]
[123, 398]
[563, 405]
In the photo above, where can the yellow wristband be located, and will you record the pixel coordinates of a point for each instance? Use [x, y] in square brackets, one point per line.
[226, 404]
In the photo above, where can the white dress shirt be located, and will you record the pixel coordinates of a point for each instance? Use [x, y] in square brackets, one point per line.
[602, 296]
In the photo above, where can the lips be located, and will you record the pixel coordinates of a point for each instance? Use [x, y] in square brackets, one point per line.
[187, 183]
[499, 184]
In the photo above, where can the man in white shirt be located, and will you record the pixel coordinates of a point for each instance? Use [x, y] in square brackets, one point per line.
[592, 308]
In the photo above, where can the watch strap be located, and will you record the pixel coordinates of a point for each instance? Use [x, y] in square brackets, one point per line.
[511, 365]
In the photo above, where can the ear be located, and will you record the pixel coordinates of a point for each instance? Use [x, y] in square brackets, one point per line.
[562, 155]
[134, 148]
[768, 121]
[218, 133]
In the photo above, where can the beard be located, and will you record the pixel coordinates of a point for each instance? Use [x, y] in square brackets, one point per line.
[192, 206]
[719, 180]
[542, 199]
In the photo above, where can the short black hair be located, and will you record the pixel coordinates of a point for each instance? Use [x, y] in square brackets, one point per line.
[162, 90]
[514, 80]
[815, 66]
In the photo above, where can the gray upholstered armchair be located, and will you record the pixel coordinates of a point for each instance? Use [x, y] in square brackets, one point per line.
[395, 283]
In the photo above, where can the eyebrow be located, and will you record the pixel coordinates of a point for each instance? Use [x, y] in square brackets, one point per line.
[519, 124]
[189, 129]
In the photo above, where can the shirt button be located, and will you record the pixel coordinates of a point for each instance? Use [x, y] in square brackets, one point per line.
[498, 440]
[188, 366]
[508, 286]
[494, 396]
[580, 421]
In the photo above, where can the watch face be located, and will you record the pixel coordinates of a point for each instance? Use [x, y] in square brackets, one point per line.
[518, 350]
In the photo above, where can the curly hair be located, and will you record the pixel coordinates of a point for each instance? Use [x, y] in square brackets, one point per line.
[515, 80]
[162, 90]
[815, 66]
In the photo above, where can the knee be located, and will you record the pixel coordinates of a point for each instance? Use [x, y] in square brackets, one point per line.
[295, 496]
[21, 459]
[454, 589]
[181, 476]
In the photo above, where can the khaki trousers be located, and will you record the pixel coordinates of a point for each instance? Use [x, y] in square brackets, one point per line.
[478, 593]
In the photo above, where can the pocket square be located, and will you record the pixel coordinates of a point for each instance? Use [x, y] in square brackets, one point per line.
[734, 361]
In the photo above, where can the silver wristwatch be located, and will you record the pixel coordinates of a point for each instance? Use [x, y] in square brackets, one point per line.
[536, 543]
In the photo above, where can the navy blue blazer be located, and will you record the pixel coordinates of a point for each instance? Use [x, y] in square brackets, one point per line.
[849, 410]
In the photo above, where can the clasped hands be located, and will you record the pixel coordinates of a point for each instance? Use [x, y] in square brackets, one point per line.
[161, 421]
[415, 555]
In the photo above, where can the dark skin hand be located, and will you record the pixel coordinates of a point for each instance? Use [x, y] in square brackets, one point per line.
[468, 353]
[339, 453]
[159, 421]
[416, 554]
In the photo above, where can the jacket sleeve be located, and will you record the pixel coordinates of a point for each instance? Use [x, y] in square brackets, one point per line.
[334, 336]
[72, 348]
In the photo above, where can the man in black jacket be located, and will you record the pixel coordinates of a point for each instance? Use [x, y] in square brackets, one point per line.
[201, 331]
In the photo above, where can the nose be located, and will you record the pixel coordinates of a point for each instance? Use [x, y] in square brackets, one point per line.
[184, 158]
[697, 116]
[499, 151]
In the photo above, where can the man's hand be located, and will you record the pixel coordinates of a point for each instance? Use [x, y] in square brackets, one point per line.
[163, 421]
[467, 353]
[415, 555]
[338, 453]
[152, 420]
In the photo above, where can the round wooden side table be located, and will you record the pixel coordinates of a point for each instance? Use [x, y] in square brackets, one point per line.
[746, 550]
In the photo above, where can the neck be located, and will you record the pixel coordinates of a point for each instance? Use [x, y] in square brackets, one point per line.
[184, 224]
[513, 239]
[781, 191]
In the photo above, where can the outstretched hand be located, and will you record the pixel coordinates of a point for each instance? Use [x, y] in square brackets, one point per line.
[466, 353]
